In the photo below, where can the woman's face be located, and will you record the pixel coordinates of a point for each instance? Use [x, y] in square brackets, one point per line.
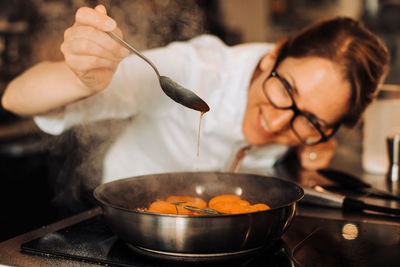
[318, 89]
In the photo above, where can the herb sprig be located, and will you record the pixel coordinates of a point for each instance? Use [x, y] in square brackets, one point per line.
[207, 211]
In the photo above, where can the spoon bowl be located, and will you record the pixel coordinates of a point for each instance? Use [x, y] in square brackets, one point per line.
[182, 95]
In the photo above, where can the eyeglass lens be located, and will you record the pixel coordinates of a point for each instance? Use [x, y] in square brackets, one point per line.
[279, 97]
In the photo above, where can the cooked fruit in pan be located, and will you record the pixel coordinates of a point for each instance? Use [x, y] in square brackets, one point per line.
[222, 204]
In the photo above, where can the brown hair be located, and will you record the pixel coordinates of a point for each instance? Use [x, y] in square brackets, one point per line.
[347, 42]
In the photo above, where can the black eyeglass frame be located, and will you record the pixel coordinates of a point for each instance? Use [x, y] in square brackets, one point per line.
[310, 117]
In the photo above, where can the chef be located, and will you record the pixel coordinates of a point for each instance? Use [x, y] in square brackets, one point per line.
[272, 97]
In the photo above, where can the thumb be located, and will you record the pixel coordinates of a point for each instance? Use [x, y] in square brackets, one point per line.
[101, 9]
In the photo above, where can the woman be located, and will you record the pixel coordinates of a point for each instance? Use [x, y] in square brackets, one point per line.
[294, 94]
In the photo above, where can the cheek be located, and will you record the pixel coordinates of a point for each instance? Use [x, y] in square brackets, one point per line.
[250, 125]
[256, 95]
[254, 101]
[249, 119]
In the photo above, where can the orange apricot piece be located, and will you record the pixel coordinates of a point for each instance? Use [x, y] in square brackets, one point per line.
[166, 207]
[259, 207]
[222, 199]
[190, 201]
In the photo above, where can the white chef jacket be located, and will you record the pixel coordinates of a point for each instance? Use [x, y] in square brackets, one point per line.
[161, 135]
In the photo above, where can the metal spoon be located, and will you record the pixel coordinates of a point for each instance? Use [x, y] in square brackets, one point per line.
[172, 89]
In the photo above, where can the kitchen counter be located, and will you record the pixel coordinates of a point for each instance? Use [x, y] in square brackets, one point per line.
[10, 249]
[301, 234]
[376, 240]
[373, 228]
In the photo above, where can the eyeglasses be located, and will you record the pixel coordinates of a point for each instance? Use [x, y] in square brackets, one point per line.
[304, 125]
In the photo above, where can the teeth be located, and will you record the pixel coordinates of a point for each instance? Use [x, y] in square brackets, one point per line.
[264, 125]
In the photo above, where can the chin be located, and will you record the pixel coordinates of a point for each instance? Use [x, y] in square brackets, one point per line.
[257, 138]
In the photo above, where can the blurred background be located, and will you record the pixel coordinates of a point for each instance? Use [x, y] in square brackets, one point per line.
[44, 178]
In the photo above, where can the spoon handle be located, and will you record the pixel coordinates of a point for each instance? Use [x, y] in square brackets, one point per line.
[133, 50]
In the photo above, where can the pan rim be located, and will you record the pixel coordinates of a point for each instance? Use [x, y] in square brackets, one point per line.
[96, 194]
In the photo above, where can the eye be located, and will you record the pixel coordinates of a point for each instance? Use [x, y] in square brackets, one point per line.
[287, 85]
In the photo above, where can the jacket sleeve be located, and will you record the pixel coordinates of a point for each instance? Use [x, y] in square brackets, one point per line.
[121, 99]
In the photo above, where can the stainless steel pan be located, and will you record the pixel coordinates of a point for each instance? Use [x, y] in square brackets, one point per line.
[198, 236]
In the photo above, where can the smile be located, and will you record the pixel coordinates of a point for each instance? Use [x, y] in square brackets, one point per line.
[265, 130]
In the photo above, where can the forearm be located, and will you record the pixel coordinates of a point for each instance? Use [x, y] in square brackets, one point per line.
[44, 87]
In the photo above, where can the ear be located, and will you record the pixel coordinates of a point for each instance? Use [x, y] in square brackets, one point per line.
[268, 61]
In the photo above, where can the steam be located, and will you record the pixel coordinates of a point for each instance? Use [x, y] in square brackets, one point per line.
[77, 155]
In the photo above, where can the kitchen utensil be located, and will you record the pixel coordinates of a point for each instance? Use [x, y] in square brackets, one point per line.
[172, 89]
[351, 182]
[393, 145]
[319, 196]
[198, 237]
[380, 121]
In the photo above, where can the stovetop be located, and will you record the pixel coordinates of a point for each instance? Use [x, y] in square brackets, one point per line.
[308, 242]
[92, 241]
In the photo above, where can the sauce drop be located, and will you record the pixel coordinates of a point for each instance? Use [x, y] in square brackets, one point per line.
[198, 138]
[198, 134]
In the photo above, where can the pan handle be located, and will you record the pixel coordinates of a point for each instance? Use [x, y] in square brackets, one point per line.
[319, 196]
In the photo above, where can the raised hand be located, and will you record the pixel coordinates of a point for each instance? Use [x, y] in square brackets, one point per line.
[89, 51]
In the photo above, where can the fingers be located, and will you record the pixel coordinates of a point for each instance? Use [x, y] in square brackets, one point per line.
[89, 51]
[102, 9]
[318, 156]
[87, 36]
[87, 46]
[86, 40]
[95, 18]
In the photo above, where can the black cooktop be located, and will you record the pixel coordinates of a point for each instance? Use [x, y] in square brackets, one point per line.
[308, 242]
[92, 241]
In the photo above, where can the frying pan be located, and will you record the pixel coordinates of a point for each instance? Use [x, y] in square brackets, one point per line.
[211, 236]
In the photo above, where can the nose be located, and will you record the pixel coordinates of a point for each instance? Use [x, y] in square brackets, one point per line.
[281, 120]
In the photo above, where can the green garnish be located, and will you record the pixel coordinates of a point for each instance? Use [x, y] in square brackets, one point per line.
[207, 211]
